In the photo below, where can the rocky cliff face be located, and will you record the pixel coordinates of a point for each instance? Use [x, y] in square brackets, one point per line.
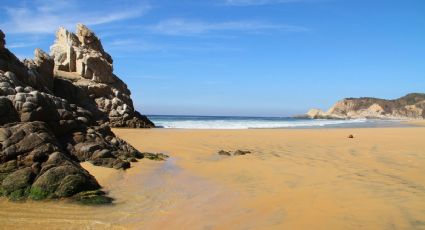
[56, 111]
[85, 70]
[411, 106]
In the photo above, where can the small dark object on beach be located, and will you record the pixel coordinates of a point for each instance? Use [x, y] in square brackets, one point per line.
[95, 197]
[156, 156]
[224, 153]
[240, 152]
[351, 136]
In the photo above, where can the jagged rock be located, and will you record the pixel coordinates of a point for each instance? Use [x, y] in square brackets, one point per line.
[41, 68]
[2, 40]
[82, 54]
[55, 114]
[411, 106]
[86, 73]
[33, 160]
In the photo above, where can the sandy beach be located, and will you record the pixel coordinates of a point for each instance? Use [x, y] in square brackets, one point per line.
[294, 179]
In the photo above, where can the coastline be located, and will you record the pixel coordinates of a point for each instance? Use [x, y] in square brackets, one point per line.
[294, 178]
[238, 122]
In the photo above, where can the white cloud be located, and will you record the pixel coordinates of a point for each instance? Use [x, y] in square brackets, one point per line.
[256, 2]
[186, 27]
[46, 16]
[21, 45]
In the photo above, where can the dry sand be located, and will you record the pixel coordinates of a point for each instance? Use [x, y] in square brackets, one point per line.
[416, 122]
[294, 179]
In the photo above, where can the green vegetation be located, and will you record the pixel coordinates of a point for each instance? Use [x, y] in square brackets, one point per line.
[95, 197]
[155, 156]
[37, 194]
[19, 195]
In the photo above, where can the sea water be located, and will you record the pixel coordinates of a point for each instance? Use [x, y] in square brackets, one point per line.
[238, 122]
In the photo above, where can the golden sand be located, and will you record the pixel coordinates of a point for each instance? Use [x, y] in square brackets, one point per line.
[417, 122]
[294, 179]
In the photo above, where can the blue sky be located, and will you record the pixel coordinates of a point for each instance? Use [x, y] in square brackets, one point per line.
[241, 57]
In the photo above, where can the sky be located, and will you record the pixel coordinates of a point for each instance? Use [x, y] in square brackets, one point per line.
[240, 57]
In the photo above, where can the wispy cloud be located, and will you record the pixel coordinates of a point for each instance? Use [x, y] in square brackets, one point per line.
[188, 27]
[256, 2]
[47, 15]
[21, 45]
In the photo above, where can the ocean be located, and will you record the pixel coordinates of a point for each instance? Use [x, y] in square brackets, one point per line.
[238, 122]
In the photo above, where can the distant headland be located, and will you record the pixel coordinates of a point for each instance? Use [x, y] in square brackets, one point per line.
[411, 106]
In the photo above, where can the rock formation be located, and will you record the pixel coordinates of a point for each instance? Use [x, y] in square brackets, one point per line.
[235, 153]
[86, 71]
[411, 106]
[56, 111]
[2, 40]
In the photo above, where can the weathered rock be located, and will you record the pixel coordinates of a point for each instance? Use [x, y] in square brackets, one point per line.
[155, 156]
[2, 40]
[104, 153]
[95, 197]
[65, 181]
[8, 112]
[224, 153]
[41, 70]
[56, 111]
[87, 74]
[241, 152]
[19, 179]
[119, 164]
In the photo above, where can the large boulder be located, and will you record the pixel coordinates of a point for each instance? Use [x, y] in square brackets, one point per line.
[33, 163]
[8, 112]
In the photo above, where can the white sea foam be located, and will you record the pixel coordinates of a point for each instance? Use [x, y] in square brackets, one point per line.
[199, 123]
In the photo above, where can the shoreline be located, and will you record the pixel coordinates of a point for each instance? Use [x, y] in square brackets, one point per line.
[222, 123]
[397, 124]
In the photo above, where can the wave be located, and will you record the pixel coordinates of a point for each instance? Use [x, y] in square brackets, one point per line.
[250, 123]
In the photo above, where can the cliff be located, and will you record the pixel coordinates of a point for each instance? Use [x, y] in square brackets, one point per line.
[56, 111]
[411, 106]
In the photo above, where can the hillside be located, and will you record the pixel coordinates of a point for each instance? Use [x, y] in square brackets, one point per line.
[411, 106]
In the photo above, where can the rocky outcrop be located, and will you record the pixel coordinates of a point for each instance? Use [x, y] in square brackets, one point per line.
[411, 106]
[35, 164]
[55, 112]
[2, 40]
[81, 63]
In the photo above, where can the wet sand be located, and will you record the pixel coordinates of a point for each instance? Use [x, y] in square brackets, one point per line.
[294, 179]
